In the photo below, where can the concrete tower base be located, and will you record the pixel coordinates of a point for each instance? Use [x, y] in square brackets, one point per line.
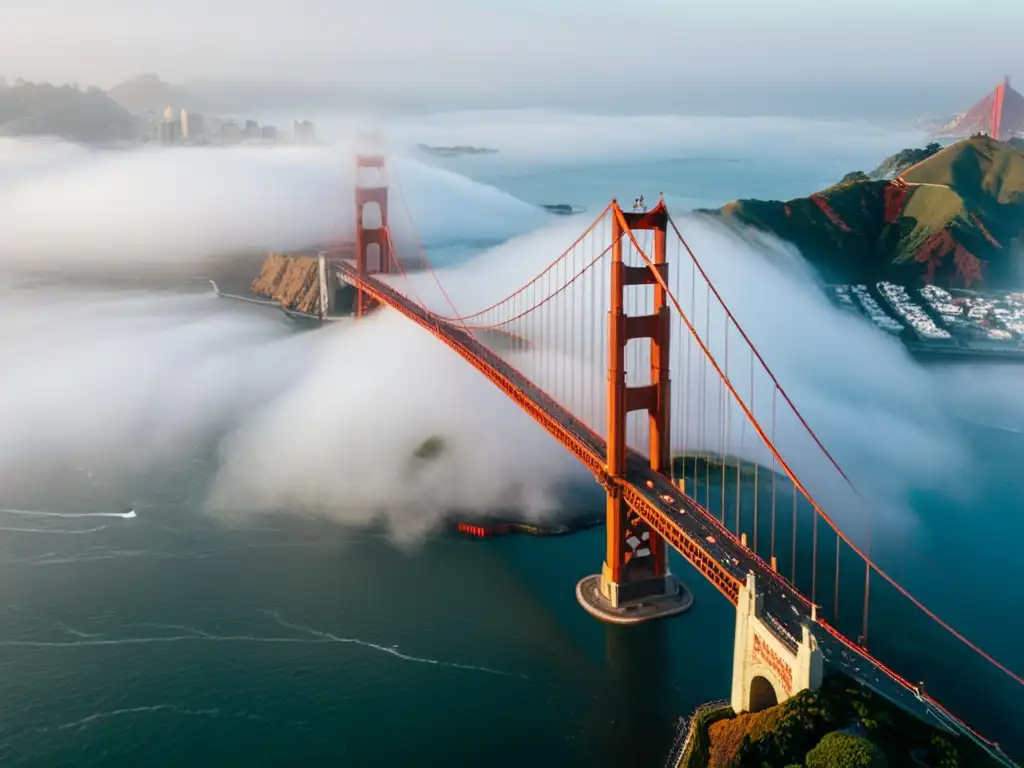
[652, 599]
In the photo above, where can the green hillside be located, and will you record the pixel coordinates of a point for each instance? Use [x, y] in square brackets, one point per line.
[70, 112]
[978, 169]
[958, 221]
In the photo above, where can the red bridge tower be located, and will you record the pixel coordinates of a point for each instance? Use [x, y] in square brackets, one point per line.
[998, 102]
[373, 254]
[635, 584]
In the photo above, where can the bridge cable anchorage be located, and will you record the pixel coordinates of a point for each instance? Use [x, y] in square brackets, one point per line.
[870, 565]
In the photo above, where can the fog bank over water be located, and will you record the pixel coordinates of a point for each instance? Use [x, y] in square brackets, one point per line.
[887, 420]
[71, 207]
[328, 420]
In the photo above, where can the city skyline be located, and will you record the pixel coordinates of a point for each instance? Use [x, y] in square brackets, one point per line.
[173, 126]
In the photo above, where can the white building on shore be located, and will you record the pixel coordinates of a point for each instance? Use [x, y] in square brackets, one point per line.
[905, 307]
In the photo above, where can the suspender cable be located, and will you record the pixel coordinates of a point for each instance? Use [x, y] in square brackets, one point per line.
[772, 549]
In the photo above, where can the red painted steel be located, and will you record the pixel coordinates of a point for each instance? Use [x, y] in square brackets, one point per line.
[366, 237]
[615, 523]
[620, 564]
[629, 503]
[998, 99]
[694, 550]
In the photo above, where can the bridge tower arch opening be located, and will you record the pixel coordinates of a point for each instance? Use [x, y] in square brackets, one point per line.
[371, 216]
[762, 694]
[635, 584]
[373, 254]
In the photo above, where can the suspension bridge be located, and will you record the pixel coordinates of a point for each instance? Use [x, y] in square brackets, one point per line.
[627, 355]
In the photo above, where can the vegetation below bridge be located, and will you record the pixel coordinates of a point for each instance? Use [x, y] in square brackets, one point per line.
[842, 725]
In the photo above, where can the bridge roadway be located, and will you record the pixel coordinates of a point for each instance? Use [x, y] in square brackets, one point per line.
[691, 530]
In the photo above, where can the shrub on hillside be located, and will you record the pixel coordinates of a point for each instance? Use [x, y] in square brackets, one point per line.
[729, 736]
[844, 750]
[803, 720]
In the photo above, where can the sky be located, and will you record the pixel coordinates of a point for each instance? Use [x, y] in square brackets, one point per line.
[516, 44]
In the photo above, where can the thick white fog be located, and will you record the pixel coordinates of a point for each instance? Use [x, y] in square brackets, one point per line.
[880, 414]
[63, 205]
[328, 420]
[341, 440]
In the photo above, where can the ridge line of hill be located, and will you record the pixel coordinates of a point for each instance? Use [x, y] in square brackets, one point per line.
[951, 216]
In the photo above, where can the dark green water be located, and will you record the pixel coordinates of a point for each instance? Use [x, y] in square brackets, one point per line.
[292, 641]
[165, 638]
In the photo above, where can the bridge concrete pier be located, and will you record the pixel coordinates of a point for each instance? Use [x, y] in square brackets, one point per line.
[632, 603]
[767, 670]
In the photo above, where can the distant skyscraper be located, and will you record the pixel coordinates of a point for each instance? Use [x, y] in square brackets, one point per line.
[252, 129]
[230, 132]
[192, 127]
[170, 128]
[305, 132]
[269, 134]
[170, 132]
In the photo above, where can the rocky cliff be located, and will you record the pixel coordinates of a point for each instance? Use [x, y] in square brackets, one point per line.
[291, 280]
[955, 219]
[896, 164]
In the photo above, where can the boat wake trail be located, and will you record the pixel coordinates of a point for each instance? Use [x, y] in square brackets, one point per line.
[52, 558]
[126, 515]
[193, 635]
[171, 708]
[77, 632]
[392, 650]
[994, 427]
[55, 530]
[176, 628]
